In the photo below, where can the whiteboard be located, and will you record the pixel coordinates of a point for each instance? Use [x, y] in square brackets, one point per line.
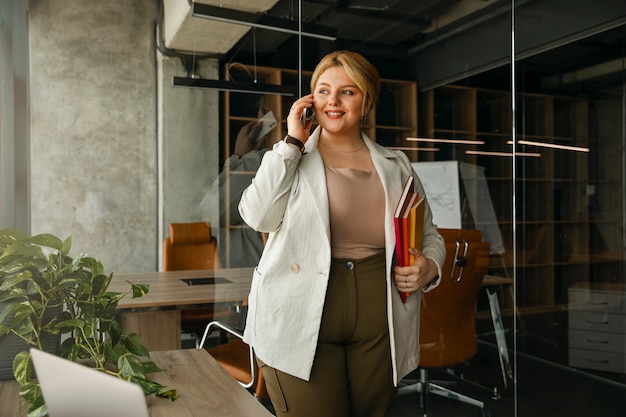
[481, 206]
[441, 184]
[443, 191]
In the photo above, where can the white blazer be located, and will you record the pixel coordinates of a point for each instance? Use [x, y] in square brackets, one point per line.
[288, 199]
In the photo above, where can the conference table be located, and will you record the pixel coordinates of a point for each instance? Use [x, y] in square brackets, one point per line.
[203, 386]
[155, 317]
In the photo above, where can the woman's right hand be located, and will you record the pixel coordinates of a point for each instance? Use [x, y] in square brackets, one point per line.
[246, 138]
[294, 125]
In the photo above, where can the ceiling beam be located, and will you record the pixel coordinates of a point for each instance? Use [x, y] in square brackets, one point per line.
[263, 21]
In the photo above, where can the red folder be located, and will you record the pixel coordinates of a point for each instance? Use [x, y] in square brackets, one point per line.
[401, 224]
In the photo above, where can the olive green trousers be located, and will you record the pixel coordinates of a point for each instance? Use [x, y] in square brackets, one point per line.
[351, 374]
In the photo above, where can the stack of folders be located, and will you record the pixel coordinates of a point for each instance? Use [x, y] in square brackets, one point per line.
[409, 225]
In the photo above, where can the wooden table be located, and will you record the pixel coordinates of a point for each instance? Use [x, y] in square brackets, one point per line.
[155, 317]
[204, 388]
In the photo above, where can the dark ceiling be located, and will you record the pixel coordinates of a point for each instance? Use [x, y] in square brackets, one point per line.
[384, 24]
[379, 28]
[392, 32]
[592, 66]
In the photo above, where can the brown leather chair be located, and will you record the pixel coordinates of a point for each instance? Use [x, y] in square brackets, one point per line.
[191, 246]
[447, 319]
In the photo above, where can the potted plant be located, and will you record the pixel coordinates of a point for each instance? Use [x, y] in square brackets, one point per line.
[44, 291]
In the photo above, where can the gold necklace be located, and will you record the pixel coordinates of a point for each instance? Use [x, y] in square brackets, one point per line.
[337, 150]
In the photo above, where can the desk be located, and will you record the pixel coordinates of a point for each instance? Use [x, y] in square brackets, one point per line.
[204, 388]
[155, 317]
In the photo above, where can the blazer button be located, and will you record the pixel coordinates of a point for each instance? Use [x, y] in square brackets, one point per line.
[294, 268]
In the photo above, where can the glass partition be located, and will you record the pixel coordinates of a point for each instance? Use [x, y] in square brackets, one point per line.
[553, 158]
[530, 125]
[570, 217]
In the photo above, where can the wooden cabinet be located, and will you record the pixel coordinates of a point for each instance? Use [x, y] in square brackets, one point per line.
[389, 123]
[597, 327]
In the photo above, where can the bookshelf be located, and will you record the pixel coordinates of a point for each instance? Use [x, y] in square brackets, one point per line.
[567, 221]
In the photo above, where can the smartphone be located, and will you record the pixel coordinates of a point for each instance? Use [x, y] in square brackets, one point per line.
[307, 115]
[268, 123]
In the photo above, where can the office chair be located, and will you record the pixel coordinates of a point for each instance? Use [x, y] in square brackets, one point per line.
[191, 246]
[237, 358]
[447, 317]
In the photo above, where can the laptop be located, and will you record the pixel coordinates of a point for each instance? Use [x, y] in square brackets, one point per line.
[74, 390]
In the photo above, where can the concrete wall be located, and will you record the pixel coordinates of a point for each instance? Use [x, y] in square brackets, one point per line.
[116, 152]
[14, 146]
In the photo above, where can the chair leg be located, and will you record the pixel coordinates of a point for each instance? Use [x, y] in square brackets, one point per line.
[448, 393]
[424, 386]
[425, 389]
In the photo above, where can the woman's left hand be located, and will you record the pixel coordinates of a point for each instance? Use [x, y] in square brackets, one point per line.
[411, 278]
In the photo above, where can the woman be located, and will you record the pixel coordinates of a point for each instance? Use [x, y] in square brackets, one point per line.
[325, 317]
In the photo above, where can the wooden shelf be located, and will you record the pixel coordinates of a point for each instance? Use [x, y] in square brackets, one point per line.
[556, 232]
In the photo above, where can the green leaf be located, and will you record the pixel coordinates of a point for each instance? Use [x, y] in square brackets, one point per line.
[23, 319]
[38, 408]
[47, 240]
[149, 387]
[22, 367]
[171, 394]
[115, 332]
[67, 245]
[87, 309]
[134, 345]
[99, 284]
[114, 351]
[92, 264]
[106, 309]
[14, 297]
[9, 236]
[130, 365]
[70, 324]
[63, 326]
[150, 367]
[10, 310]
[22, 250]
[70, 281]
[139, 290]
[12, 280]
[31, 393]
[4, 330]
[69, 349]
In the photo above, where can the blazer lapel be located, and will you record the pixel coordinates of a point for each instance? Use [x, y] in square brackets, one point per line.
[313, 180]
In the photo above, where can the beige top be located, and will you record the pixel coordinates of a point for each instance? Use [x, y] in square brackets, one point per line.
[357, 212]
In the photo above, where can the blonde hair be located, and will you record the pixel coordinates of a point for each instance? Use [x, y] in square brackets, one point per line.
[358, 69]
